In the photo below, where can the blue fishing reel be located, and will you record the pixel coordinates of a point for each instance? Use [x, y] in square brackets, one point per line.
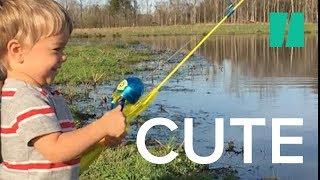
[128, 91]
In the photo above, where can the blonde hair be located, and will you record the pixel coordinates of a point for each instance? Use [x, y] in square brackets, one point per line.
[28, 21]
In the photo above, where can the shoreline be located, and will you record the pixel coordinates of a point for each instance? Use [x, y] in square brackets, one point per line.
[197, 29]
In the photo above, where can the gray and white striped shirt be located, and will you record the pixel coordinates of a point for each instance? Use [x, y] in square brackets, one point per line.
[27, 112]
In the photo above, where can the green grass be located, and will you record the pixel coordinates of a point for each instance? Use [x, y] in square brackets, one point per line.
[97, 63]
[126, 163]
[198, 29]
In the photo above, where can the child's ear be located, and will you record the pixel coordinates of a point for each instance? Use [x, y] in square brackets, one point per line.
[15, 51]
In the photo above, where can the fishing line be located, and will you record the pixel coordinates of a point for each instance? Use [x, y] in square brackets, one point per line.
[167, 60]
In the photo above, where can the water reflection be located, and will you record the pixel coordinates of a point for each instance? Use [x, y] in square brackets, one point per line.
[250, 56]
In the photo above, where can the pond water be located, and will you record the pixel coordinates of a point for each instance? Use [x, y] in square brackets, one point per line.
[236, 77]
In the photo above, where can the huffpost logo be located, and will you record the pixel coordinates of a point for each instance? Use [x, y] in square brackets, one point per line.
[295, 35]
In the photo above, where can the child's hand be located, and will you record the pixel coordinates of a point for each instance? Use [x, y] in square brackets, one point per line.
[116, 122]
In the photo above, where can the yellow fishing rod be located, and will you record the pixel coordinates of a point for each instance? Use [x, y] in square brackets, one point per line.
[133, 110]
[129, 91]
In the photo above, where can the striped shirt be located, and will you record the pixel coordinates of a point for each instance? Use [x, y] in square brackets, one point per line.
[28, 112]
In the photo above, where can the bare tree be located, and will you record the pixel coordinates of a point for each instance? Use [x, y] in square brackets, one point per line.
[111, 13]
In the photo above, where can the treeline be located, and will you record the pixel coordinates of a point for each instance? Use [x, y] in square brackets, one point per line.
[124, 13]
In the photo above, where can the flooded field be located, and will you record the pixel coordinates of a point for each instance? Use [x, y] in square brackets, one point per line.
[231, 77]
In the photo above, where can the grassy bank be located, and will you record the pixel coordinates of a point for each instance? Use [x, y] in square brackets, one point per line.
[96, 63]
[198, 29]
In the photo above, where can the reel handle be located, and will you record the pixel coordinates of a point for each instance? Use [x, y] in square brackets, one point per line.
[121, 102]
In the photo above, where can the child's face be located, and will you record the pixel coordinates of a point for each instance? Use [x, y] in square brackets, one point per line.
[42, 61]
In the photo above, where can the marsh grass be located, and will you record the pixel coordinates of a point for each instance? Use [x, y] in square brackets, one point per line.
[125, 162]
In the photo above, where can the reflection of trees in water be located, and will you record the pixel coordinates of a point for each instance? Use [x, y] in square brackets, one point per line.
[251, 54]
[264, 68]
[253, 57]
[252, 64]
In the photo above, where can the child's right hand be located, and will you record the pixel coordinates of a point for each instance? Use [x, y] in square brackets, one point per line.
[116, 122]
